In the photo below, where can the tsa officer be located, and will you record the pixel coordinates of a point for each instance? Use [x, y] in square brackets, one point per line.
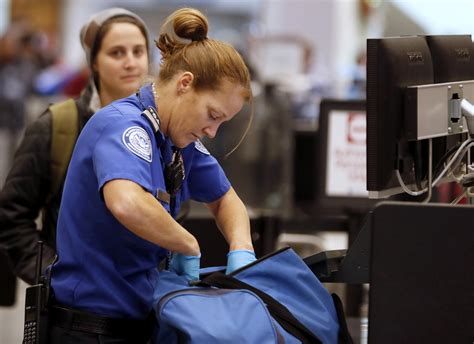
[135, 162]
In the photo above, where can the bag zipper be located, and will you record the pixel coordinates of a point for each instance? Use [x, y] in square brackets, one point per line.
[215, 291]
[190, 291]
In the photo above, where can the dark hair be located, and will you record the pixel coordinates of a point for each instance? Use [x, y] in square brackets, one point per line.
[104, 29]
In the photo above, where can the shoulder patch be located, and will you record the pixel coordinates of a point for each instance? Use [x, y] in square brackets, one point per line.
[136, 139]
[200, 147]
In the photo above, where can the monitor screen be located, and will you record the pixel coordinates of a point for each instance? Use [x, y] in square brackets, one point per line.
[344, 150]
[341, 151]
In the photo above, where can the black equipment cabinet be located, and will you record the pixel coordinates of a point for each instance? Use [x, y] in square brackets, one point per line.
[422, 285]
[418, 260]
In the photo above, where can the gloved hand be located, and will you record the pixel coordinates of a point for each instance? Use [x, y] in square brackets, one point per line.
[239, 258]
[187, 266]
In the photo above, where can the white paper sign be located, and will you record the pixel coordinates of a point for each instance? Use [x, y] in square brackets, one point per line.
[346, 171]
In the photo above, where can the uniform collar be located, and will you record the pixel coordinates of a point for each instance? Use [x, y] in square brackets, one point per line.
[145, 96]
[146, 100]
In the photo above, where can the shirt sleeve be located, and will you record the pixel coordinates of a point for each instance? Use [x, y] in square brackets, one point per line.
[207, 181]
[124, 151]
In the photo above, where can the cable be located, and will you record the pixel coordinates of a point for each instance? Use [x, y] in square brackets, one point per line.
[459, 198]
[469, 143]
[445, 157]
[462, 149]
[420, 192]
[430, 171]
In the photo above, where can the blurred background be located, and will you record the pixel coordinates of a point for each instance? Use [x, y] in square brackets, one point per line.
[300, 52]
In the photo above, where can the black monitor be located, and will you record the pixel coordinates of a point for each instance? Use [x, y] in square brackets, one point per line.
[329, 167]
[341, 156]
[453, 60]
[394, 64]
[452, 56]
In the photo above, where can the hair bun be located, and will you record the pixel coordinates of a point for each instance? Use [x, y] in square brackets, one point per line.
[180, 28]
[171, 35]
[189, 23]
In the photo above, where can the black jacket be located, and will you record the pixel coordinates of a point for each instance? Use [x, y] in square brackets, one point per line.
[25, 193]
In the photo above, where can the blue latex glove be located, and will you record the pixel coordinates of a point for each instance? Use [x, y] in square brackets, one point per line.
[187, 266]
[239, 258]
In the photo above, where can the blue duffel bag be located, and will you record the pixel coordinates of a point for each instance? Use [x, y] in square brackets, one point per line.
[276, 299]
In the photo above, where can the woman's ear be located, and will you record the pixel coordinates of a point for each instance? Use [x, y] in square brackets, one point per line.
[185, 82]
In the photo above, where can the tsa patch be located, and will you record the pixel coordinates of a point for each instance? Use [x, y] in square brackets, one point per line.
[136, 139]
[200, 147]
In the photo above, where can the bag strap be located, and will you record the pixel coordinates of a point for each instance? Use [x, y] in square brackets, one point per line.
[65, 129]
[344, 334]
[278, 311]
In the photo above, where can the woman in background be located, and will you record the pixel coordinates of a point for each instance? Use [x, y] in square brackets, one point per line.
[116, 45]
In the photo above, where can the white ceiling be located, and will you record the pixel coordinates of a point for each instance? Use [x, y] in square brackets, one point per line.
[440, 16]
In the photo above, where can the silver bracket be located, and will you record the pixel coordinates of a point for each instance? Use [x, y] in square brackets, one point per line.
[455, 96]
[436, 110]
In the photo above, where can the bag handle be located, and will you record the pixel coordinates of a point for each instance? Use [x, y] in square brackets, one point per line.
[344, 334]
[278, 311]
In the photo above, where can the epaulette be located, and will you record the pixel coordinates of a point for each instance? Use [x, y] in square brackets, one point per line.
[152, 116]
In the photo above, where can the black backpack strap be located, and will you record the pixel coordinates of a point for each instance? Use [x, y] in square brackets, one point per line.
[344, 334]
[278, 311]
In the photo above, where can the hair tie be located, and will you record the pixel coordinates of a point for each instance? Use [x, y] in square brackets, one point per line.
[168, 29]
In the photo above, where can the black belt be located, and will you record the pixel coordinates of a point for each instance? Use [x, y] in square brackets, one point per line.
[76, 320]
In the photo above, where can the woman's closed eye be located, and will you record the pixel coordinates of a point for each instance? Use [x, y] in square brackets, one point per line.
[213, 116]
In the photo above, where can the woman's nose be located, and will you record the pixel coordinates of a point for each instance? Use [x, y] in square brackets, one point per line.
[130, 60]
[211, 131]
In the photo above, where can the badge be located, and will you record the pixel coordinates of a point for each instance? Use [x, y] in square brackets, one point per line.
[200, 147]
[136, 139]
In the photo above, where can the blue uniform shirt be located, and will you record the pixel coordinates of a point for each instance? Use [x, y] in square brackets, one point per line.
[103, 267]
